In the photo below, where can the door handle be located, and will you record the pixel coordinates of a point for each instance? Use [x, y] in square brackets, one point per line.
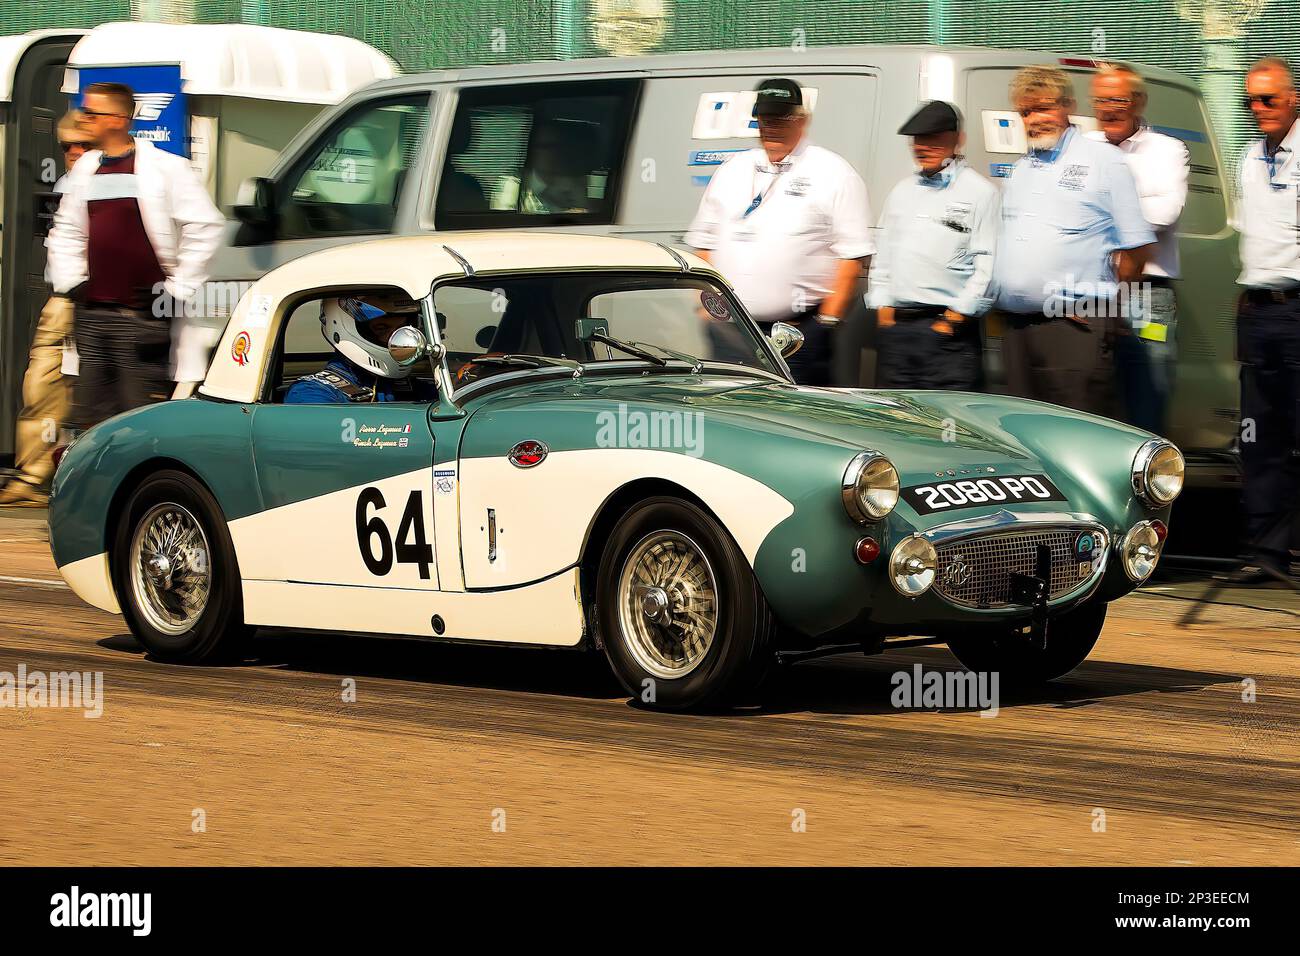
[492, 534]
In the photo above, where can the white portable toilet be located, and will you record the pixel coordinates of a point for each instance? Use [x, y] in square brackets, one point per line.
[246, 90]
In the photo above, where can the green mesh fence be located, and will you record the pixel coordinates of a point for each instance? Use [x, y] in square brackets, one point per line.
[1211, 40]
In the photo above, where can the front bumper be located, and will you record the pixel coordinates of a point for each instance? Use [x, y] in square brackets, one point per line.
[855, 603]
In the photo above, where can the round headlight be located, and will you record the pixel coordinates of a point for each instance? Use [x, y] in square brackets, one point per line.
[911, 566]
[1140, 550]
[870, 486]
[1158, 473]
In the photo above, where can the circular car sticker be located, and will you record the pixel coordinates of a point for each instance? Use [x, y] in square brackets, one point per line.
[1089, 547]
[240, 348]
[715, 305]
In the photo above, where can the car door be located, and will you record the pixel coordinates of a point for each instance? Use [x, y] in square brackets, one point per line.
[347, 497]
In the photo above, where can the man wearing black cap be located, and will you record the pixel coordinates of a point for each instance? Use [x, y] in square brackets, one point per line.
[789, 225]
[931, 279]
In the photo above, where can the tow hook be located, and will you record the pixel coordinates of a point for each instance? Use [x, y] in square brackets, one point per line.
[1033, 590]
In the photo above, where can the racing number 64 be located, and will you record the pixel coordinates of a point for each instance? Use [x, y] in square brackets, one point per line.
[370, 527]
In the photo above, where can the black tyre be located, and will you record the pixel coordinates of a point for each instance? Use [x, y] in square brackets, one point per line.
[1070, 639]
[175, 572]
[682, 619]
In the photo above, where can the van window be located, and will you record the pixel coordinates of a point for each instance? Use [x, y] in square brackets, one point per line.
[350, 184]
[541, 154]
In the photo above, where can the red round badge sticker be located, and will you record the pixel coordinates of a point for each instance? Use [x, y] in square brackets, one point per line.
[240, 348]
[715, 305]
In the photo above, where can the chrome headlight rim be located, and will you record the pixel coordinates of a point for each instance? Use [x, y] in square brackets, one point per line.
[860, 510]
[927, 574]
[1141, 475]
[1126, 543]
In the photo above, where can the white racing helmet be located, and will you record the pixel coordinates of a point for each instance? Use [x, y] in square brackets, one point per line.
[339, 319]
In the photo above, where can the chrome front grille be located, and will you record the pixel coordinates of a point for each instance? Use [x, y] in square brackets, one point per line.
[975, 571]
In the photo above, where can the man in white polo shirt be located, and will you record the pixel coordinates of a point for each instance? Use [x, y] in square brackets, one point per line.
[789, 225]
[1144, 349]
[1267, 214]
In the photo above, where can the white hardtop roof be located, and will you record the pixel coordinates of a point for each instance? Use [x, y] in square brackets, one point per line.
[12, 49]
[412, 264]
[239, 59]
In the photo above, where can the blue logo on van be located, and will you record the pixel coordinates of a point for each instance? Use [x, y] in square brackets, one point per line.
[711, 157]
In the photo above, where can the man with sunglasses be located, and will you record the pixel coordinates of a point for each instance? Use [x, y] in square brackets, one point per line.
[131, 243]
[1072, 227]
[1144, 344]
[45, 390]
[789, 225]
[1267, 215]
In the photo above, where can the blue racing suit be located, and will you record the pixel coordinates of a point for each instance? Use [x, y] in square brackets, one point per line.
[341, 382]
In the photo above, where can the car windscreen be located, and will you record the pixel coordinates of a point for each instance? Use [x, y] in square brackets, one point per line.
[675, 318]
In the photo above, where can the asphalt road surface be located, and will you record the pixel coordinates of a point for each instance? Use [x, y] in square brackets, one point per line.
[1171, 745]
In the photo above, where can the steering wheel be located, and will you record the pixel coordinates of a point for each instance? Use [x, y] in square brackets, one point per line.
[470, 371]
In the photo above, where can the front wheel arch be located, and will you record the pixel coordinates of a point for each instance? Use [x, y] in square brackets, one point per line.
[617, 504]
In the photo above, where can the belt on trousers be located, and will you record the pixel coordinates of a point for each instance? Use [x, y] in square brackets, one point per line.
[1272, 296]
[811, 313]
[918, 311]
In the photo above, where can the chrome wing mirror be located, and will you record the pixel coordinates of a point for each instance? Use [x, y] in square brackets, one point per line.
[407, 345]
[786, 339]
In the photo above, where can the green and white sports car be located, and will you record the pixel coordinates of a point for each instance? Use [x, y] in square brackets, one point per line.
[613, 456]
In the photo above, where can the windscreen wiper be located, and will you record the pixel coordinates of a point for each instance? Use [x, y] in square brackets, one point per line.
[631, 348]
[694, 362]
[527, 361]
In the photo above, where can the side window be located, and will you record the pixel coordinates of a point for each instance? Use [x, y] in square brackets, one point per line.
[536, 155]
[351, 183]
[306, 348]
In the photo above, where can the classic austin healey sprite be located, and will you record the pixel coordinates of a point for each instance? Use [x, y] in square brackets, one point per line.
[593, 445]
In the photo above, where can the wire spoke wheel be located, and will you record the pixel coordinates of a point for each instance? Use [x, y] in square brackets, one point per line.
[668, 604]
[170, 568]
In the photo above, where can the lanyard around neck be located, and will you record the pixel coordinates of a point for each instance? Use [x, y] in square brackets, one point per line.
[781, 169]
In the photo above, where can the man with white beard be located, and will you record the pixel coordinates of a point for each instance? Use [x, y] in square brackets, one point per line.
[1072, 229]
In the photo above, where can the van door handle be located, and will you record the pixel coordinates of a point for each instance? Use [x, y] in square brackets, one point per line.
[492, 534]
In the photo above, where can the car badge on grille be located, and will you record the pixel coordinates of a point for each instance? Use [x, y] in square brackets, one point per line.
[956, 573]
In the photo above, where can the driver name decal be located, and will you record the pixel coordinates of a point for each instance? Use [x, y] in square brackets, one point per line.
[382, 436]
[972, 493]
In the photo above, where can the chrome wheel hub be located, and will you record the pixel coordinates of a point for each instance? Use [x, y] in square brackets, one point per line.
[668, 604]
[170, 574]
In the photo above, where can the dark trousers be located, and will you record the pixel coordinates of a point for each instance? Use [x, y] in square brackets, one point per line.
[911, 354]
[1268, 345]
[124, 362]
[1062, 361]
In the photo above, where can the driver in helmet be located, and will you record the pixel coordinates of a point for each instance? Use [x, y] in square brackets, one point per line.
[363, 371]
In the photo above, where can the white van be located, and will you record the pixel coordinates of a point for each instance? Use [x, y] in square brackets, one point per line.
[640, 137]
